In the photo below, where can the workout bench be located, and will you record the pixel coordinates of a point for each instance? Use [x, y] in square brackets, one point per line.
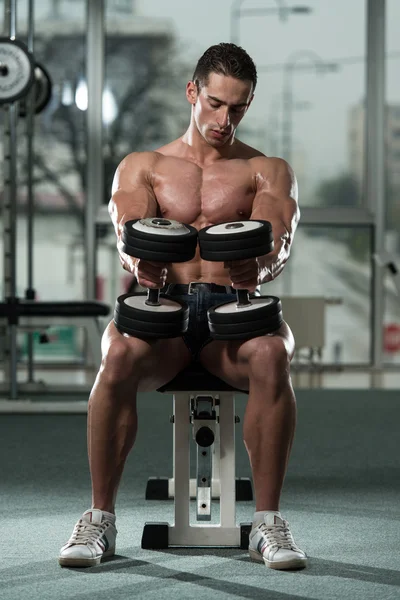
[30, 316]
[206, 405]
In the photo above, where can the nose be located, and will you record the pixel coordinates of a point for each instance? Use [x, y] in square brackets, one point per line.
[223, 119]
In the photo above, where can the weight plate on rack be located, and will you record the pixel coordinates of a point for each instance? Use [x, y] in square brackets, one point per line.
[42, 85]
[16, 70]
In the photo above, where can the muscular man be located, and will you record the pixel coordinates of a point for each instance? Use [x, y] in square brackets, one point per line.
[205, 177]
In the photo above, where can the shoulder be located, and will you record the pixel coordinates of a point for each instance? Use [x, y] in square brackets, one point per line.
[246, 152]
[138, 161]
[271, 165]
[272, 172]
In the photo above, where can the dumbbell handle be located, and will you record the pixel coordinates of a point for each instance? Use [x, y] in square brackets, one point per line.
[242, 298]
[153, 297]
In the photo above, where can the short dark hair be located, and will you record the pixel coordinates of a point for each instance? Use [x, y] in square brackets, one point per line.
[225, 59]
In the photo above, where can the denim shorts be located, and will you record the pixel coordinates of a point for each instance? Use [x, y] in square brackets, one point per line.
[199, 297]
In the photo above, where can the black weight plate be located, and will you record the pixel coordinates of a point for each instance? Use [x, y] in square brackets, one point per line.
[157, 255]
[210, 245]
[163, 234]
[210, 232]
[149, 326]
[133, 306]
[149, 335]
[239, 254]
[273, 325]
[42, 86]
[145, 325]
[241, 327]
[185, 247]
[261, 307]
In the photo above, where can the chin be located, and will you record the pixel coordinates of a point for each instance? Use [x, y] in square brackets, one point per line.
[217, 143]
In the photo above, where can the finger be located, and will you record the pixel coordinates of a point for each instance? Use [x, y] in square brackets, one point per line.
[164, 265]
[245, 285]
[154, 285]
[151, 269]
[242, 269]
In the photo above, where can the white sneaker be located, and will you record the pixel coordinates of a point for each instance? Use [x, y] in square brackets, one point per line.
[271, 542]
[93, 538]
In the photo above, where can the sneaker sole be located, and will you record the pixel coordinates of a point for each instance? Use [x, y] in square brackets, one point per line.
[85, 562]
[295, 563]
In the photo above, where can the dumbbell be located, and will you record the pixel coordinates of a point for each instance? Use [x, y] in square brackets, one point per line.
[246, 318]
[152, 314]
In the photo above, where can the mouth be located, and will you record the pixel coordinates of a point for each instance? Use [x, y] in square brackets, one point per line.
[219, 134]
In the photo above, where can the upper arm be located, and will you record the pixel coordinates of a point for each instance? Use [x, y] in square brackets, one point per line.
[276, 198]
[132, 190]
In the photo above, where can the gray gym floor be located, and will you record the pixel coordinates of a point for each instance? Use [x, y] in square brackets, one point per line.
[341, 497]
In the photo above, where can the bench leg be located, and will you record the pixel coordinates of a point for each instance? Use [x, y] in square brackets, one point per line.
[182, 533]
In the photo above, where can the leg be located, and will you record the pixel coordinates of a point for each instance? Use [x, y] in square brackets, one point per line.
[261, 365]
[127, 367]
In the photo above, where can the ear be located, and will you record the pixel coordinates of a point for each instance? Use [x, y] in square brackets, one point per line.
[191, 92]
[249, 104]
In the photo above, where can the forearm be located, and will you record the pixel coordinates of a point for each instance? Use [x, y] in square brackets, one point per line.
[271, 265]
[123, 208]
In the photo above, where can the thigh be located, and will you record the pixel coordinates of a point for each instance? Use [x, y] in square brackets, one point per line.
[229, 360]
[155, 362]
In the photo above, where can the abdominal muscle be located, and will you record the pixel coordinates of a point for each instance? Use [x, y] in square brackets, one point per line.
[198, 270]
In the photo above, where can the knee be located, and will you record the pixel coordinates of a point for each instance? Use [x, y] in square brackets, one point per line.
[268, 359]
[118, 363]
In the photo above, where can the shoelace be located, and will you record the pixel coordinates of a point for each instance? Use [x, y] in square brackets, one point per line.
[279, 536]
[87, 532]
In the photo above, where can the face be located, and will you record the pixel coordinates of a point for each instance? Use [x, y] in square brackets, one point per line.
[219, 107]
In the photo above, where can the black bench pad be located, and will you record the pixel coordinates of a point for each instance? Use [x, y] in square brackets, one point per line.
[33, 308]
[196, 378]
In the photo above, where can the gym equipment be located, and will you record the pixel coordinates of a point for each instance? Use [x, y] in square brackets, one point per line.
[155, 315]
[16, 70]
[205, 406]
[246, 318]
[17, 73]
[42, 90]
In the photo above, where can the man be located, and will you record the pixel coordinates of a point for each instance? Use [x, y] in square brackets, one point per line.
[205, 177]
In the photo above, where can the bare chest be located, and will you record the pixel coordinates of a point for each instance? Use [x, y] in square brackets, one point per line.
[201, 197]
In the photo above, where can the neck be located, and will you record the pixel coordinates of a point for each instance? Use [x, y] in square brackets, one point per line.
[201, 150]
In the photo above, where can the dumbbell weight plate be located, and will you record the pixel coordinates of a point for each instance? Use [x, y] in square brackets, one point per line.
[260, 308]
[274, 321]
[150, 328]
[238, 254]
[209, 245]
[238, 332]
[158, 246]
[168, 254]
[158, 229]
[134, 306]
[235, 230]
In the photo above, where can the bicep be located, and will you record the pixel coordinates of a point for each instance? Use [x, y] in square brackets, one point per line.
[132, 192]
[276, 200]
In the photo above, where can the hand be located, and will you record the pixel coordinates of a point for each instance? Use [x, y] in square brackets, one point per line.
[244, 274]
[150, 274]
